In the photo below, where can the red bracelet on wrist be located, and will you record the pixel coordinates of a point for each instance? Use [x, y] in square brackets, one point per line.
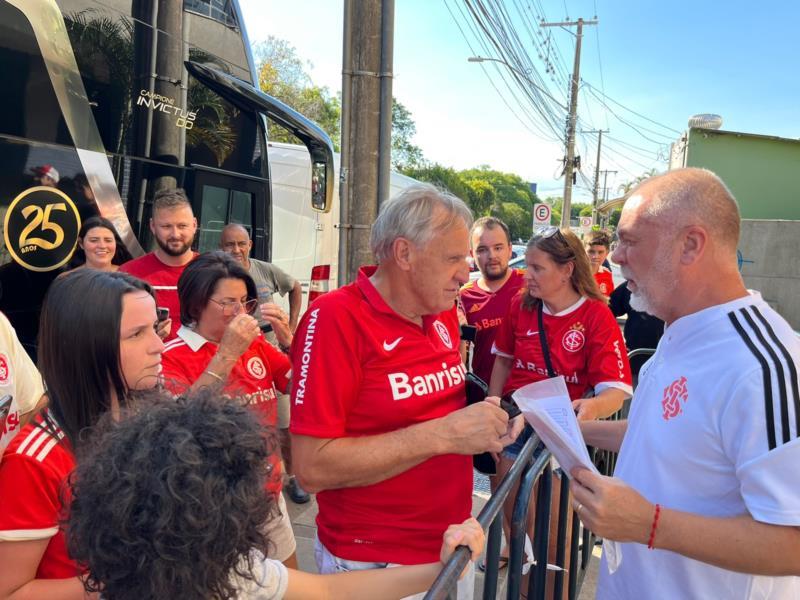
[652, 539]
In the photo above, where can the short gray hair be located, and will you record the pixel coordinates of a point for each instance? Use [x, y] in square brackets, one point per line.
[412, 214]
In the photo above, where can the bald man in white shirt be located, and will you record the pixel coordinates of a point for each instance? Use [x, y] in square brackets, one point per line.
[706, 492]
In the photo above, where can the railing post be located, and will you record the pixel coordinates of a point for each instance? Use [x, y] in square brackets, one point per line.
[561, 540]
[541, 534]
[492, 553]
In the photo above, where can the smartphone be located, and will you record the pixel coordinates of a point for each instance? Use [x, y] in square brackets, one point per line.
[162, 313]
[468, 333]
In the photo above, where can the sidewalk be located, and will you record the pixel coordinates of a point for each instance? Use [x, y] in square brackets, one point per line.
[304, 516]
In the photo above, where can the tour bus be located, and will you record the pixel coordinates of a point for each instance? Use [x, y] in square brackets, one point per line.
[105, 102]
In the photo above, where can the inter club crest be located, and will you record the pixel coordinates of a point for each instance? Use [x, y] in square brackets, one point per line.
[675, 394]
[444, 335]
[5, 370]
[574, 339]
[256, 368]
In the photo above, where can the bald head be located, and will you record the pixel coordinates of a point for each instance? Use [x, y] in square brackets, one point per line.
[685, 197]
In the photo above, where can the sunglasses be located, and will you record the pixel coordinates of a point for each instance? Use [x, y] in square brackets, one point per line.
[548, 232]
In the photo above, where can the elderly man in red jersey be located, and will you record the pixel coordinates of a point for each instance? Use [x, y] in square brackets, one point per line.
[380, 428]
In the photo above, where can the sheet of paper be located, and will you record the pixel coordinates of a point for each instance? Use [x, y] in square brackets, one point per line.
[547, 407]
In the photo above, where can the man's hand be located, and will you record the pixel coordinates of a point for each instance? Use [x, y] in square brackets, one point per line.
[469, 533]
[480, 427]
[275, 316]
[238, 336]
[610, 507]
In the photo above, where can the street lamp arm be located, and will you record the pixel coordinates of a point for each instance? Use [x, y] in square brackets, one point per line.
[480, 59]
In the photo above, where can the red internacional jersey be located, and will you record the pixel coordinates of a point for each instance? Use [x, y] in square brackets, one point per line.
[486, 310]
[253, 377]
[605, 281]
[585, 344]
[164, 279]
[34, 496]
[361, 369]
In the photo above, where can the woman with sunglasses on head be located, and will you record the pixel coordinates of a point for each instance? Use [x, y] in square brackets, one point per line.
[97, 348]
[219, 344]
[560, 325]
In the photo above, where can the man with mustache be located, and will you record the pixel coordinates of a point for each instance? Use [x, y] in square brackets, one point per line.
[705, 495]
[173, 225]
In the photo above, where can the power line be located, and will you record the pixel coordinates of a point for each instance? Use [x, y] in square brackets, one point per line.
[586, 83]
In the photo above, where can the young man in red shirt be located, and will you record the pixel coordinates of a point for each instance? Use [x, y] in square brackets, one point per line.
[379, 424]
[485, 300]
[598, 245]
[173, 225]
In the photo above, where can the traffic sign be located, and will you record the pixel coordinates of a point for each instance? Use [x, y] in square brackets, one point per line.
[586, 223]
[541, 214]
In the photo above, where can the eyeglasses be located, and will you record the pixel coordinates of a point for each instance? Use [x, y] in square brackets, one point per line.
[235, 307]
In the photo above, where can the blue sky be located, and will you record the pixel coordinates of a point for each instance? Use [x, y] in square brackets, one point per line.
[664, 60]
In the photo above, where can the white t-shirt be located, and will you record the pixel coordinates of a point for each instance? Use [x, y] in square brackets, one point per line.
[270, 583]
[18, 379]
[713, 430]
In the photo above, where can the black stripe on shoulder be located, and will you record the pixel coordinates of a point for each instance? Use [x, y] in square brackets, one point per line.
[778, 371]
[766, 377]
[790, 364]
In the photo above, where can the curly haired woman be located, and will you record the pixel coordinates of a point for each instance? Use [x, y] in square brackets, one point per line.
[169, 502]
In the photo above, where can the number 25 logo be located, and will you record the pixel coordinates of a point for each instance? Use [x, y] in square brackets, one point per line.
[41, 218]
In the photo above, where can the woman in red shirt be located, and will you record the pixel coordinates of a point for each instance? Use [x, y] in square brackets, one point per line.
[97, 345]
[561, 303]
[219, 343]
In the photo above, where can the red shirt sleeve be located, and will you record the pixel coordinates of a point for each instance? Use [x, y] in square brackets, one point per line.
[279, 365]
[178, 371]
[504, 340]
[30, 495]
[608, 359]
[326, 368]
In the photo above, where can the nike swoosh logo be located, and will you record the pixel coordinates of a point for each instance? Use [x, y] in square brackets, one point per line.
[532, 332]
[389, 347]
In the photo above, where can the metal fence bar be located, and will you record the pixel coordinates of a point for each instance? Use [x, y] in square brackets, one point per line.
[448, 576]
[493, 549]
[541, 537]
[561, 547]
[519, 522]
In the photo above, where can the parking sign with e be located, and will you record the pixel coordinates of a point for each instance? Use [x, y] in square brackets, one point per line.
[541, 214]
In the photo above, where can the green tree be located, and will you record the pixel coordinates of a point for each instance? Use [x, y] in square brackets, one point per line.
[519, 221]
[613, 219]
[282, 74]
[405, 155]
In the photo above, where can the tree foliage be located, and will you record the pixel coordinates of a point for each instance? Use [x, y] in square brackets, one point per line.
[284, 75]
[487, 192]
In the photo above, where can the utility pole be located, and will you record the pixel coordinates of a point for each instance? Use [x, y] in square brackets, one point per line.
[605, 182]
[569, 162]
[366, 127]
[599, 133]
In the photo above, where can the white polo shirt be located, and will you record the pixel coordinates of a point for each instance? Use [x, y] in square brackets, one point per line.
[713, 430]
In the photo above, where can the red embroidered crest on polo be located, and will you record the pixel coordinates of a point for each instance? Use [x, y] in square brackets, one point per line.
[674, 394]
